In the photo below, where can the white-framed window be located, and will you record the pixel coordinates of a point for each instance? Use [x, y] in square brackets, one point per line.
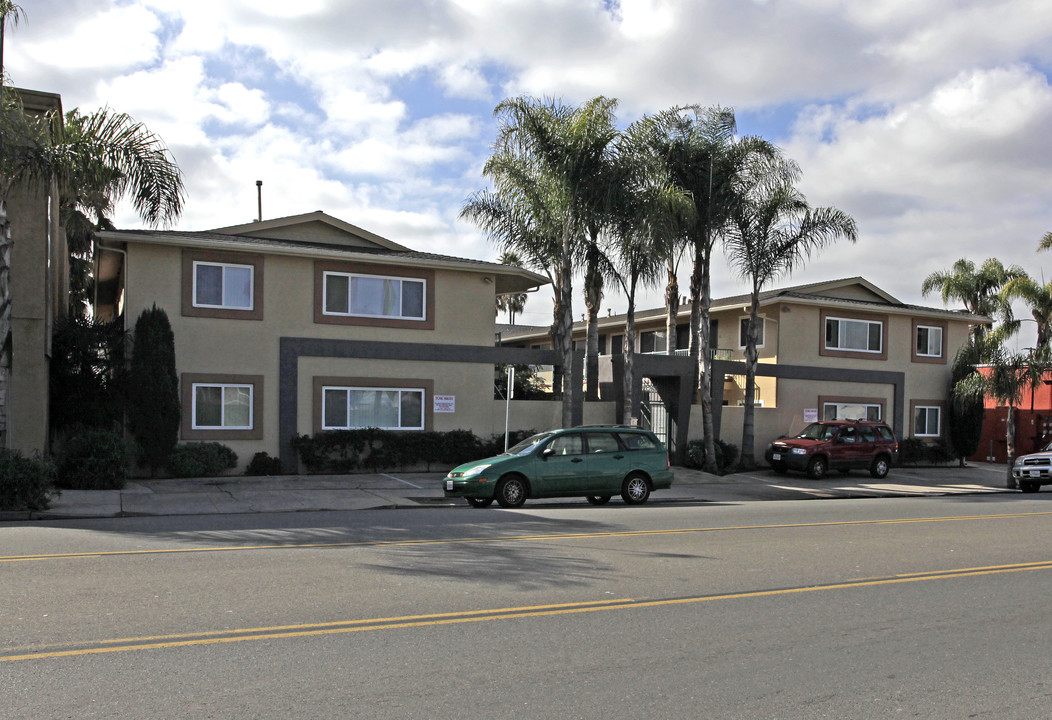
[345, 408]
[929, 341]
[854, 335]
[926, 419]
[653, 341]
[374, 296]
[220, 406]
[743, 331]
[224, 286]
[851, 411]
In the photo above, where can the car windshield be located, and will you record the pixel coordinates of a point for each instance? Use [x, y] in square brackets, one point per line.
[527, 445]
[818, 431]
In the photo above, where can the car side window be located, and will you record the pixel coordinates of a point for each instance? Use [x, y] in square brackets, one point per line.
[868, 435]
[601, 442]
[567, 444]
[637, 441]
[885, 433]
[829, 431]
[848, 435]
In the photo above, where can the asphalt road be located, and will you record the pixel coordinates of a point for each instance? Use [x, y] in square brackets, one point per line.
[912, 607]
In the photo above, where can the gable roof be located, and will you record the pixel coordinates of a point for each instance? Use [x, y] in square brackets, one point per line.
[854, 292]
[321, 236]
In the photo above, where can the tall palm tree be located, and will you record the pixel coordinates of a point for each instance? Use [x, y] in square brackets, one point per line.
[773, 231]
[642, 233]
[704, 159]
[565, 148]
[510, 303]
[1038, 297]
[978, 289]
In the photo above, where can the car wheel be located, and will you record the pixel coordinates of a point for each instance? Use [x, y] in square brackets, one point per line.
[879, 468]
[780, 467]
[1029, 487]
[635, 489]
[480, 502]
[597, 499]
[511, 492]
[817, 468]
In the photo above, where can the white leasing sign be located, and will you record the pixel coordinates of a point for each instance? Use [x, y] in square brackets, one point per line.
[445, 403]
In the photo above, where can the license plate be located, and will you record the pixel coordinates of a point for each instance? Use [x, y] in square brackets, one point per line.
[1035, 473]
[776, 456]
[449, 484]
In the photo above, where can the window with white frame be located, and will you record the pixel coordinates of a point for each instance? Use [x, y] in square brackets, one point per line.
[363, 407]
[653, 341]
[374, 296]
[929, 341]
[854, 335]
[926, 420]
[223, 286]
[743, 331]
[851, 411]
[219, 406]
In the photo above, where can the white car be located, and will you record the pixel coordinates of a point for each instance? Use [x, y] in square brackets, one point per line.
[1033, 470]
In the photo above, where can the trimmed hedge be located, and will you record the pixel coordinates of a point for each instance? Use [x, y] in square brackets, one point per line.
[914, 451]
[95, 459]
[370, 449]
[726, 455]
[201, 459]
[263, 464]
[26, 483]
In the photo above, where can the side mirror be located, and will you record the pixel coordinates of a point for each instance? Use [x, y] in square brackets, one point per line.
[547, 452]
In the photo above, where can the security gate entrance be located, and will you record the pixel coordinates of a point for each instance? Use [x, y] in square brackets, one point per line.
[656, 417]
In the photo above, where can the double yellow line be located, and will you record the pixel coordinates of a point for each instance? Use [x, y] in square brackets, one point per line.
[158, 642]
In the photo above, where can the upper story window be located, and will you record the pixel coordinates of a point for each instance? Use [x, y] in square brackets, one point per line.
[854, 335]
[743, 332]
[222, 286]
[929, 341]
[219, 284]
[374, 296]
[358, 294]
[653, 341]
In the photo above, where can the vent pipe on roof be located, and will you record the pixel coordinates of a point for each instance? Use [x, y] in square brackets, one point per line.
[259, 199]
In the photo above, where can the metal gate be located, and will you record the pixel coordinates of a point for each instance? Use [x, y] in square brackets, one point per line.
[656, 417]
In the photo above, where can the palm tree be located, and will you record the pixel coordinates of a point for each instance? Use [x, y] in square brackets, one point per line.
[642, 233]
[1046, 242]
[1038, 298]
[1008, 376]
[510, 303]
[704, 160]
[773, 231]
[979, 290]
[550, 154]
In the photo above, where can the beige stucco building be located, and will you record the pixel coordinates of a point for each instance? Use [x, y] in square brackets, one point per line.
[828, 350]
[299, 324]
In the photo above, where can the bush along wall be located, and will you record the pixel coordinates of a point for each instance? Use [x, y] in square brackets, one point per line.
[95, 459]
[370, 449]
[201, 459]
[26, 483]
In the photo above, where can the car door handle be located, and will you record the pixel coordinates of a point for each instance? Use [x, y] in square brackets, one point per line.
[576, 460]
[619, 457]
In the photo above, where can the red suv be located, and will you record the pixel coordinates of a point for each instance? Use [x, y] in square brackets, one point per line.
[836, 444]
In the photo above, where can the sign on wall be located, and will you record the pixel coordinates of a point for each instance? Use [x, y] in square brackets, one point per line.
[810, 415]
[445, 403]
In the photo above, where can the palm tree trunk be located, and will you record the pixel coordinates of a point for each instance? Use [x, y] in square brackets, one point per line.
[1010, 447]
[748, 460]
[701, 351]
[671, 307]
[5, 318]
[628, 381]
[593, 298]
[565, 328]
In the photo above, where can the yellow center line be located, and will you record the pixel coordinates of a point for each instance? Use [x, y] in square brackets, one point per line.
[474, 616]
[513, 538]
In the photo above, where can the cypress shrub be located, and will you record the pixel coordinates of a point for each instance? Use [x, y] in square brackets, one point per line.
[26, 483]
[153, 389]
[95, 459]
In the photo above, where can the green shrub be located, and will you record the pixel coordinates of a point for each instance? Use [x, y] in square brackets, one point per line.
[95, 459]
[343, 451]
[726, 455]
[153, 388]
[25, 483]
[263, 464]
[914, 451]
[201, 459]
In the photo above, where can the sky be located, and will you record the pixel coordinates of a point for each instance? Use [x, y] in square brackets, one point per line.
[928, 122]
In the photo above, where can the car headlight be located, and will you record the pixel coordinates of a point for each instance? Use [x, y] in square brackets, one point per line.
[477, 470]
[799, 451]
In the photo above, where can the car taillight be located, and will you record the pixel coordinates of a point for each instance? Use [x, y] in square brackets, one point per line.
[668, 462]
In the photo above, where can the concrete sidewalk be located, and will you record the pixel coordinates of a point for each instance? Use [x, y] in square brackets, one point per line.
[300, 493]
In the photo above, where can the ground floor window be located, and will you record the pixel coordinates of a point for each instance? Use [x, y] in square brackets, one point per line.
[362, 407]
[926, 421]
[851, 411]
[222, 407]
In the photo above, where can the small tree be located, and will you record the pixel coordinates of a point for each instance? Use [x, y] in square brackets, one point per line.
[153, 388]
[965, 417]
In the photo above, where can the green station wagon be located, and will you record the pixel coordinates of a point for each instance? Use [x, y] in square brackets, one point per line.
[595, 462]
